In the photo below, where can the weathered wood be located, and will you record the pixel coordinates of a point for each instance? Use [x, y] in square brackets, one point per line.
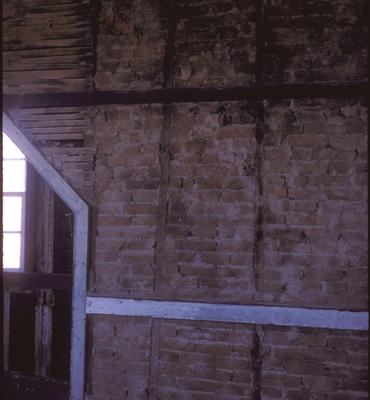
[59, 136]
[47, 46]
[54, 124]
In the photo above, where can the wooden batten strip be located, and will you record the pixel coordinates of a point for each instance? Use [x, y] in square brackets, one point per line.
[61, 136]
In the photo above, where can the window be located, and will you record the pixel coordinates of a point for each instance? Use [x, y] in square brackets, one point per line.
[14, 190]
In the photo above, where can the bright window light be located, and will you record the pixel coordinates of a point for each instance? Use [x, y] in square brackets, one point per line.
[12, 250]
[10, 150]
[14, 176]
[14, 188]
[12, 213]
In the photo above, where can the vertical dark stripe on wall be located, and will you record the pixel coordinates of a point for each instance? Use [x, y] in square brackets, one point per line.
[95, 26]
[164, 145]
[258, 228]
[258, 218]
[164, 162]
[168, 68]
[154, 360]
[260, 42]
[256, 364]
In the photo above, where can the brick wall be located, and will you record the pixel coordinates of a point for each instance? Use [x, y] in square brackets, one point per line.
[131, 44]
[315, 203]
[302, 363]
[204, 361]
[120, 359]
[177, 219]
[234, 202]
[198, 169]
[214, 43]
[310, 41]
[127, 189]
[209, 226]
[237, 202]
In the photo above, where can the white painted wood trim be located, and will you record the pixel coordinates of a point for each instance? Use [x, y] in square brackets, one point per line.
[80, 256]
[245, 314]
[80, 250]
[43, 167]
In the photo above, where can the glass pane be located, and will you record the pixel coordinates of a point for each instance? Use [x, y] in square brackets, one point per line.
[12, 213]
[10, 150]
[14, 176]
[12, 250]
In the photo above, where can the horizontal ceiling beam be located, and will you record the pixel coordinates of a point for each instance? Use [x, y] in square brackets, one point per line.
[187, 95]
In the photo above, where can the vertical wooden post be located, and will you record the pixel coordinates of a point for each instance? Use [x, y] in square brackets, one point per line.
[6, 317]
[44, 308]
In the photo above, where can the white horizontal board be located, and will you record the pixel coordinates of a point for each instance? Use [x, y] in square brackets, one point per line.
[246, 314]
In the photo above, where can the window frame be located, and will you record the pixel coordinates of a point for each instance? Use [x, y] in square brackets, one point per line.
[81, 212]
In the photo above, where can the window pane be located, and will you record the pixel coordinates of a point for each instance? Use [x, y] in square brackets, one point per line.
[14, 176]
[12, 213]
[12, 250]
[10, 150]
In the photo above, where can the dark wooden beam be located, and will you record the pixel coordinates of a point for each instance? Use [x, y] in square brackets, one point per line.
[187, 95]
[18, 386]
[36, 280]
